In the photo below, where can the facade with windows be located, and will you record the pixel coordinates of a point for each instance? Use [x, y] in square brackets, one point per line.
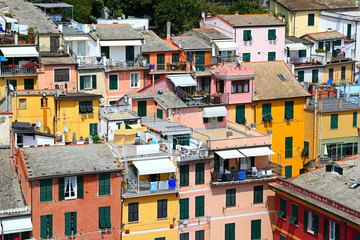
[92, 81]
[72, 199]
[304, 211]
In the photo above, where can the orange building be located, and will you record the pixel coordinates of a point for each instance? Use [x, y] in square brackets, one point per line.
[73, 191]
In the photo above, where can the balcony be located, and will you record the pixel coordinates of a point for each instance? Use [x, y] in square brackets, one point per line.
[18, 70]
[137, 188]
[224, 59]
[199, 99]
[190, 153]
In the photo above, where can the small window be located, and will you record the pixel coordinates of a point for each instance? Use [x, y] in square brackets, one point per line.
[42, 103]
[282, 77]
[272, 34]
[301, 76]
[112, 102]
[313, 222]
[246, 57]
[334, 121]
[70, 187]
[282, 237]
[315, 76]
[199, 206]
[294, 214]
[175, 57]
[289, 110]
[266, 112]
[239, 86]
[184, 175]
[61, 75]
[46, 190]
[46, 226]
[271, 56]
[162, 208]
[199, 174]
[70, 223]
[113, 82]
[133, 212]
[302, 53]
[343, 73]
[282, 210]
[320, 45]
[200, 235]
[104, 184]
[86, 107]
[354, 119]
[305, 151]
[104, 217]
[230, 231]
[184, 236]
[311, 19]
[219, 86]
[22, 103]
[258, 194]
[88, 82]
[29, 84]
[247, 35]
[256, 229]
[231, 197]
[135, 80]
[184, 208]
[288, 147]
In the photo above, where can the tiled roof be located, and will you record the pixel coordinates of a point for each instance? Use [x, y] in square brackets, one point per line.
[252, 20]
[115, 32]
[153, 43]
[319, 36]
[303, 5]
[191, 43]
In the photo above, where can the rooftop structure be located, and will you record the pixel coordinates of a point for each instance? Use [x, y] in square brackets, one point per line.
[153, 43]
[77, 95]
[252, 20]
[191, 43]
[321, 36]
[316, 5]
[115, 32]
[120, 115]
[165, 127]
[167, 100]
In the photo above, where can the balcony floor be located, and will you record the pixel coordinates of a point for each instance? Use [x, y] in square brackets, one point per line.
[247, 180]
[133, 194]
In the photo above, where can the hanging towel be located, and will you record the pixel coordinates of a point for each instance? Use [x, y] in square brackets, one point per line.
[172, 184]
[153, 187]
[163, 185]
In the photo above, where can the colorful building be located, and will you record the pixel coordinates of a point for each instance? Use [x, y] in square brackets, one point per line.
[321, 204]
[64, 194]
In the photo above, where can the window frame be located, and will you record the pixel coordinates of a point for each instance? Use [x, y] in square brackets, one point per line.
[243, 83]
[137, 85]
[311, 19]
[200, 235]
[133, 216]
[117, 81]
[231, 197]
[22, 101]
[247, 36]
[258, 194]
[68, 179]
[256, 223]
[61, 68]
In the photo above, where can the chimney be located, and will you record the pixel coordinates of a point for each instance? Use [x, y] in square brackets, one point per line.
[236, 13]
[337, 93]
[340, 103]
[168, 29]
[208, 14]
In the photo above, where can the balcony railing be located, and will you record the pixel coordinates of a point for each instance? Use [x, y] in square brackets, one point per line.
[224, 59]
[203, 99]
[17, 70]
[134, 187]
[188, 153]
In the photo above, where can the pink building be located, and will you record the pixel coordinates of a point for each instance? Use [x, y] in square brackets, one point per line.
[260, 37]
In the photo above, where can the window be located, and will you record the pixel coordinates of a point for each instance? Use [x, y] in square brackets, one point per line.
[240, 114]
[311, 18]
[86, 107]
[247, 35]
[288, 171]
[289, 110]
[301, 76]
[146, 57]
[282, 237]
[302, 53]
[112, 102]
[61, 75]
[106, 51]
[184, 208]
[230, 231]
[200, 235]
[160, 238]
[29, 84]
[54, 43]
[348, 34]
[305, 151]
[81, 48]
[184, 236]
[22, 103]
[70, 223]
[184, 175]
[354, 119]
[199, 206]
[189, 56]
[246, 57]
[204, 84]
[343, 73]
[288, 147]
[231, 197]
[294, 214]
[315, 76]
[46, 226]
[331, 73]
[357, 236]
[160, 61]
[239, 86]
[326, 229]
[133, 212]
[113, 82]
[162, 208]
[256, 229]
[134, 80]
[266, 112]
[271, 56]
[70, 189]
[258, 194]
[104, 184]
[320, 45]
[45, 190]
[199, 175]
[159, 113]
[175, 57]
[334, 121]
[88, 82]
[93, 128]
[272, 34]
[311, 222]
[219, 86]
[104, 217]
[334, 233]
[282, 210]
[42, 102]
[142, 108]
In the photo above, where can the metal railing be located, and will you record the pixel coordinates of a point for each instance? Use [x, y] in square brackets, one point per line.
[17, 70]
[147, 187]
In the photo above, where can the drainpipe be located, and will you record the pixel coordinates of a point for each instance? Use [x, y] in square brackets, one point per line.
[2, 233]
[315, 122]
[294, 24]
[254, 106]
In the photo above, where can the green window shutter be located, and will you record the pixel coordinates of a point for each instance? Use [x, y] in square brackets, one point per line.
[199, 175]
[282, 210]
[271, 56]
[354, 119]
[205, 120]
[159, 113]
[266, 112]
[331, 73]
[142, 108]
[107, 217]
[80, 187]
[61, 189]
[247, 35]
[175, 57]
[315, 76]
[258, 194]
[199, 206]
[230, 197]
[289, 110]
[334, 121]
[102, 223]
[107, 186]
[113, 82]
[50, 222]
[29, 84]
[246, 57]
[42, 190]
[288, 171]
[101, 185]
[311, 18]
[230, 231]
[343, 73]
[348, 35]
[316, 224]
[74, 227]
[188, 57]
[306, 219]
[160, 238]
[200, 60]
[326, 229]
[220, 119]
[305, 151]
[184, 175]
[160, 61]
[337, 231]
[240, 114]
[184, 236]
[199, 235]
[321, 45]
[94, 85]
[301, 76]
[256, 229]
[46, 190]
[82, 82]
[272, 34]
[43, 226]
[184, 208]
[288, 147]
[68, 231]
[302, 53]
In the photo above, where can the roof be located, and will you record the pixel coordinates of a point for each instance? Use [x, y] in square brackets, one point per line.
[319, 182]
[120, 116]
[214, 134]
[56, 60]
[47, 162]
[267, 80]
[293, 39]
[115, 32]
[332, 105]
[168, 100]
[22, 127]
[252, 20]
[28, 14]
[320, 36]
[11, 197]
[78, 95]
[54, 5]
[191, 43]
[310, 5]
[164, 126]
[153, 43]
[209, 33]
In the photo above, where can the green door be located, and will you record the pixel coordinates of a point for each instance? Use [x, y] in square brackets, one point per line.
[200, 61]
[288, 171]
[335, 52]
[106, 51]
[29, 84]
[159, 113]
[130, 55]
[142, 108]
[161, 62]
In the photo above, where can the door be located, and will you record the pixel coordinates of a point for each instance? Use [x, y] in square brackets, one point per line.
[81, 48]
[130, 55]
[244, 163]
[335, 49]
[200, 61]
[161, 62]
[142, 108]
[288, 171]
[54, 43]
[106, 51]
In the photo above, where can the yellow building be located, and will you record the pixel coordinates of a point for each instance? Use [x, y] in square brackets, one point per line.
[278, 109]
[302, 16]
[92, 80]
[339, 72]
[331, 131]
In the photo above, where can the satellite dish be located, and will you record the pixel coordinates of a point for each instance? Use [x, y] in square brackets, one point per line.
[38, 123]
[11, 87]
[194, 68]
[66, 129]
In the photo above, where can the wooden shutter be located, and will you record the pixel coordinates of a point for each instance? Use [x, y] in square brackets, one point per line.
[50, 225]
[258, 194]
[288, 147]
[102, 223]
[301, 76]
[288, 171]
[175, 57]
[354, 119]
[205, 120]
[184, 236]
[348, 34]
[74, 227]
[61, 189]
[184, 208]
[184, 175]
[337, 231]
[334, 121]
[230, 231]
[29, 84]
[43, 226]
[256, 229]
[240, 114]
[142, 108]
[315, 76]
[271, 56]
[93, 78]
[316, 223]
[82, 82]
[42, 190]
[306, 219]
[49, 190]
[311, 18]
[160, 61]
[199, 235]
[68, 231]
[107, 217]
[289, 110]
[199, 206]
[343, 73]
[159, 113]
[101, 184]
[200, 60]
[326, 229]
[130, 54]
[80, 186]
[107, 183]
[199, 175]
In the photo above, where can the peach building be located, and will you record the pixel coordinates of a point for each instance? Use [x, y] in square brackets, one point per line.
[73, 191]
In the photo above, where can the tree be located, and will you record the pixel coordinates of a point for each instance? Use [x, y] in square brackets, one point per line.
[245, 7]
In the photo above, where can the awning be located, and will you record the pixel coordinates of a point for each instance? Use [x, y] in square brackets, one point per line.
[120, 43]
[182, 80]
[17, 224]
[214, 112]
[9, 20]
[296, 46]
[227, 46]
[135, 126]
[19, 52]
[76, 38]
[155, 166]
[229, 154]
[255, 152]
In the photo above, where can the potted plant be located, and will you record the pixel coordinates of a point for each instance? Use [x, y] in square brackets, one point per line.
[139, 59]
[168, 66]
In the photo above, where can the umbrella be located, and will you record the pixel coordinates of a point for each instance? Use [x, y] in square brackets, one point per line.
[2, 59]
[325, 151]
[73, 140]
